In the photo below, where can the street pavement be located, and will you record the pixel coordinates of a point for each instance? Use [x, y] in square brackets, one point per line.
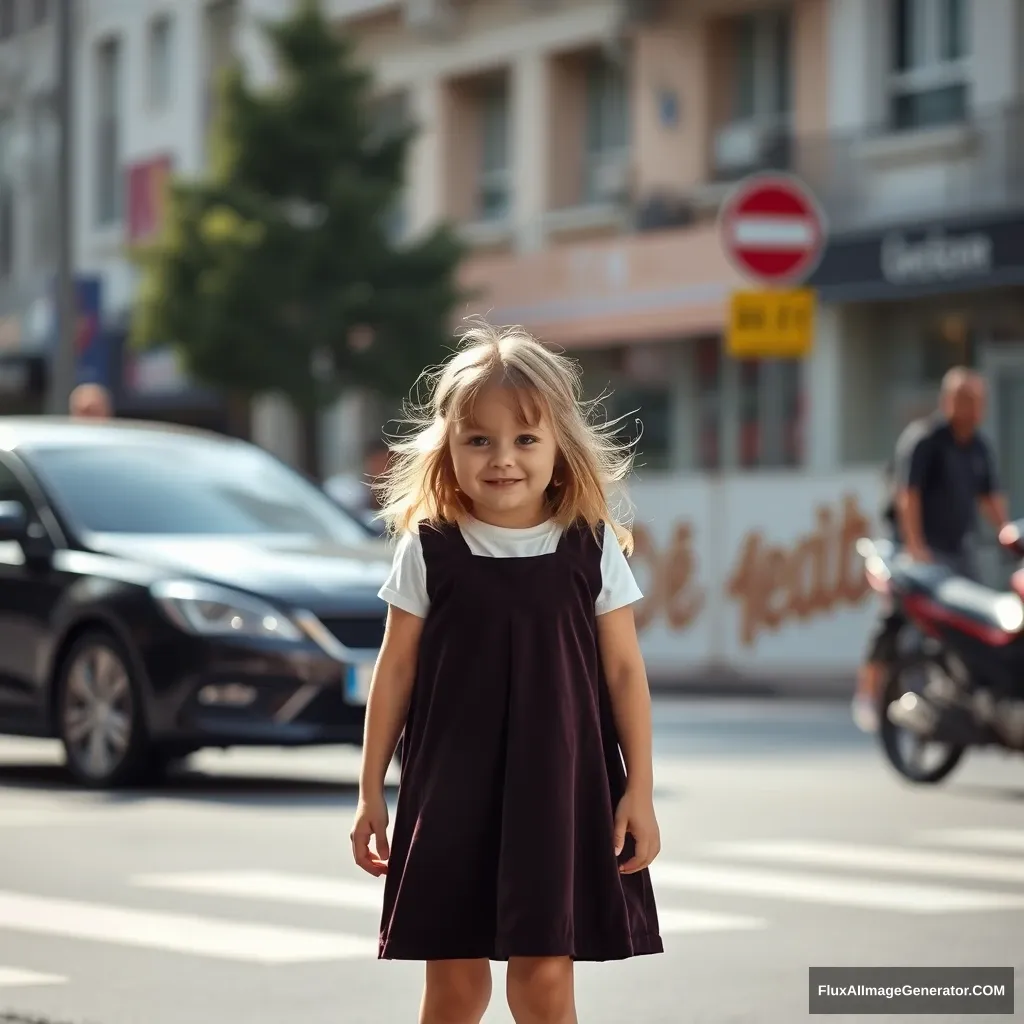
[229, 895]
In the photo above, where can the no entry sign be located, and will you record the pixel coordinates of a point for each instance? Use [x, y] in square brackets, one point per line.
[772, 229]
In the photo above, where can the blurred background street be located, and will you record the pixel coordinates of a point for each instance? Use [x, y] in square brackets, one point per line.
[248, 226]
[230, 894]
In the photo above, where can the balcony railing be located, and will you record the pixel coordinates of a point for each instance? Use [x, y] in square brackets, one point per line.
[877, 175]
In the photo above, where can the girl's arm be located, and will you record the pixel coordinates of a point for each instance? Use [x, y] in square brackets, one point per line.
[386, 708]
[388, 702]
[631, 708]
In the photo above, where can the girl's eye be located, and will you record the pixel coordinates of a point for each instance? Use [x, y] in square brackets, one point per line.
[527, 439]
[478, 440]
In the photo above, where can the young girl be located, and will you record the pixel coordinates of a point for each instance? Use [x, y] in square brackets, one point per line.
[511, 661]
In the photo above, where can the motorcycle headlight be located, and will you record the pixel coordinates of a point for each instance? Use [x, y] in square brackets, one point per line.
[209, 610]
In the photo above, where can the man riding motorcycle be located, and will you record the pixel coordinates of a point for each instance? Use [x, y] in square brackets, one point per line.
[943, 471]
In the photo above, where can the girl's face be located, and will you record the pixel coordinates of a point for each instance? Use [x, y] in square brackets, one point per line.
[501, 464]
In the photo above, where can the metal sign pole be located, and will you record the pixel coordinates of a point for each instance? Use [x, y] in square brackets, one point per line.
[62, 364]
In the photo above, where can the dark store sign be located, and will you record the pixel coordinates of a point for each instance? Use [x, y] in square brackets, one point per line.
[907, 261]
[937, 257]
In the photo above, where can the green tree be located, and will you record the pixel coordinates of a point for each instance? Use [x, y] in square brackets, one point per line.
[276, 270]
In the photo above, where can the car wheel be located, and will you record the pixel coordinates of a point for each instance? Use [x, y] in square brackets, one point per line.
[99, 715]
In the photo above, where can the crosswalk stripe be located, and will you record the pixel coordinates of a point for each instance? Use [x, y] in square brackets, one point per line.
[321, 891]
[877, 858]
[977, 838]
[678, 922]
[273, 886]
[178, 933]
[829, 889]
[16, 977]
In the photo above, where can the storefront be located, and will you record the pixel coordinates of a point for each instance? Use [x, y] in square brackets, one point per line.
[915, 300]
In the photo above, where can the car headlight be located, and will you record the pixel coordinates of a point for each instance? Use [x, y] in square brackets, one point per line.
[210, 610]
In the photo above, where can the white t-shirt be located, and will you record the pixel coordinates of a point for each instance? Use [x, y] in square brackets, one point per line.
[406, 587]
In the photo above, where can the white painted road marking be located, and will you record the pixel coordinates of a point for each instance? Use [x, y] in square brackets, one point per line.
[177, 933]
[1005, 839]
[273, 886]
[829, 889]
[16, 977]
[678, 922]
[876, 858]
[333, 892]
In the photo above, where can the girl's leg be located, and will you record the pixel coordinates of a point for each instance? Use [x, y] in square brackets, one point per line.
[540, 990]
[456, 991]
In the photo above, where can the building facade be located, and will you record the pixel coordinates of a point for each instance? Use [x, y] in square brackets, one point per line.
[584, 149]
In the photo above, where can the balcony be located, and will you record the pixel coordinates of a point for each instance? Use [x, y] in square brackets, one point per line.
[878, 176]
[583, 293]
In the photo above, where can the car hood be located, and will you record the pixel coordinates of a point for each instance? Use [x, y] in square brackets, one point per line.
[300, 572]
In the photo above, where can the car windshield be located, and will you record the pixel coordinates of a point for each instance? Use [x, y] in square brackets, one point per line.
[188, 488]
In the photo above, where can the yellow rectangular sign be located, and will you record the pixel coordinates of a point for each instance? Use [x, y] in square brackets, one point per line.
[771, 324]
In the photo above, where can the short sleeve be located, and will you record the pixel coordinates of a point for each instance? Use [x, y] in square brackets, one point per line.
[989, 478]
[914, 453]
[406, 586]
[618, 587]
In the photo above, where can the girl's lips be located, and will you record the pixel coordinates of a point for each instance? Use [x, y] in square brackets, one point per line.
[502, 483]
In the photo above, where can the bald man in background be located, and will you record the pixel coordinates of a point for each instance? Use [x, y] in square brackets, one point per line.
[944, 472]
[90, 401]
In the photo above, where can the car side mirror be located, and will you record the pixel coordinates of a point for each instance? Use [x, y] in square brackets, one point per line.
[13, 521]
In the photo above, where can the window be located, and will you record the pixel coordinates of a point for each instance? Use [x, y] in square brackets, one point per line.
[219, 37]
[770, 413]
[645, 415]
[763, 69]
[389, 116]
[109, 186]
[747, 414]
[930, 48]
[161, 61]
[8, 18]
[494, 195]
[708, 372]
[607, 131]
[756, 132]
[188, 489]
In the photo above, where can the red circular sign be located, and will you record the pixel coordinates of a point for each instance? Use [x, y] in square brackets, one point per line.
[772, 228]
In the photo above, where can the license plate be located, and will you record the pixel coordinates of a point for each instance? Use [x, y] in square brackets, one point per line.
[357, 682]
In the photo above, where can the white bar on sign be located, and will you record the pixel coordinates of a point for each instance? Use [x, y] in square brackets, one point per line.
[273, 886]
[830, 889]
[678, 922]
[772, 233]
[176, 933]
[978, 838]
[16, 977]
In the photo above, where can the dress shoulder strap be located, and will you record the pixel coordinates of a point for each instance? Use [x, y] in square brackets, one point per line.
[445, 551]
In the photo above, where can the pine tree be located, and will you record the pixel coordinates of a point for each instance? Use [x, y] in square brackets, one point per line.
[275, 271]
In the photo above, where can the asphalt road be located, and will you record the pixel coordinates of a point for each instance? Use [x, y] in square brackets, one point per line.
[230, 896]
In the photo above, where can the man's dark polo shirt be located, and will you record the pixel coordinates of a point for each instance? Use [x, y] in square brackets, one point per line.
[950, 477]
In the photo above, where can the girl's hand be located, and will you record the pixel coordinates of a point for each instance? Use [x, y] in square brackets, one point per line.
[371, 820]
[635, 815]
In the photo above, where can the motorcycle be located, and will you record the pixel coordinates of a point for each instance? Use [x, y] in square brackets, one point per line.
[956, 680]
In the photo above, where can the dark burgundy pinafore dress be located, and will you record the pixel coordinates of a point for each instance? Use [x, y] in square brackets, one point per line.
[503, 834]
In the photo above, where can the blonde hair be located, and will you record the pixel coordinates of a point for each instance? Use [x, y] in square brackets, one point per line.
[419, 484]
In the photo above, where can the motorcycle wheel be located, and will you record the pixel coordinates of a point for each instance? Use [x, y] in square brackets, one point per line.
[906, 751]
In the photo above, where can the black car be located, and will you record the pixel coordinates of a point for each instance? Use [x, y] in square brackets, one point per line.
[164, 590]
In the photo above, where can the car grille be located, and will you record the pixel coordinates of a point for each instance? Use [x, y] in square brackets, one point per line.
[357, 633]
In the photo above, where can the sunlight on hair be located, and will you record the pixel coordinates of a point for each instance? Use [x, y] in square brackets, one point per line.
[420, 486]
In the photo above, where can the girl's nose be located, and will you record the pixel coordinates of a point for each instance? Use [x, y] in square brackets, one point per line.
[503, 455]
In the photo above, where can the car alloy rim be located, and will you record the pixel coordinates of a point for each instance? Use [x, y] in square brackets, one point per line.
[97, 711]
